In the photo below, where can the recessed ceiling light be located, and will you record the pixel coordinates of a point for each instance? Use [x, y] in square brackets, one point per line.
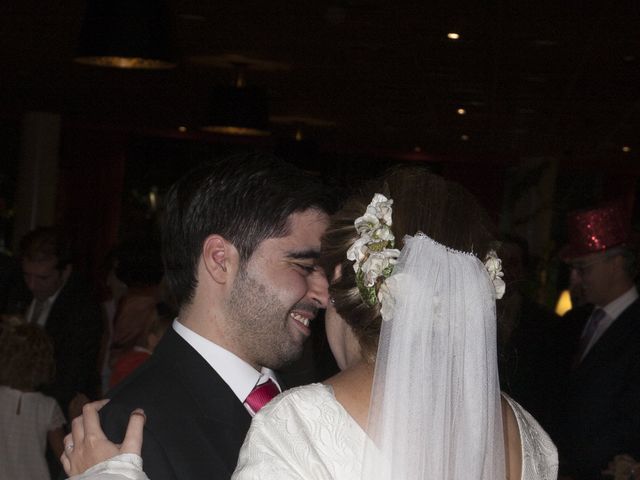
[193, 17]
[182, 128]
[417, 149]
[626, 149]
[461, 111]
[464, 137]
[544, 42]
[453, 36]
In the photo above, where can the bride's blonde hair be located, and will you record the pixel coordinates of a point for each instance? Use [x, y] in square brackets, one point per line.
[422, 201]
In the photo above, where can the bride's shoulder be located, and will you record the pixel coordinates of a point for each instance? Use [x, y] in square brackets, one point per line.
[299, 397]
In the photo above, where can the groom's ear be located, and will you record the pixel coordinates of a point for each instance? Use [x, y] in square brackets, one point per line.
[220, 258]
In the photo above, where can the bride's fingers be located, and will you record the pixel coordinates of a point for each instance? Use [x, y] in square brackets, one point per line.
[98, 404]
[65, 463]
[77, 430]
[133, 438]
[91, 419]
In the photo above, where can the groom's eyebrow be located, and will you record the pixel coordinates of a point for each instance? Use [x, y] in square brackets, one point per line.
[304, 254]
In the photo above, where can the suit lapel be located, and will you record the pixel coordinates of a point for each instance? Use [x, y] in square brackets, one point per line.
[614, 338]
[221, 415]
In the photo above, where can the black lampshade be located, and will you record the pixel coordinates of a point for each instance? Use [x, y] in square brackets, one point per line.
[238, 111]
[125, 34]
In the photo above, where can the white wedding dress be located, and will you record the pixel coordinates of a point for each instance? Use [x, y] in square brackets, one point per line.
[306, 434]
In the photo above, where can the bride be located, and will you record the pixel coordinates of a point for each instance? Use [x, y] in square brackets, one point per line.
[414, 333]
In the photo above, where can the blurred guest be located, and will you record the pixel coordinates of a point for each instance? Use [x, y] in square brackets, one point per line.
[14, 294]
[8, 271]
[139, 267]
[111, 291]
[601, 416]
[622, 467]
[131, 359]
[28, 419]
[64, 305]
[530, 350]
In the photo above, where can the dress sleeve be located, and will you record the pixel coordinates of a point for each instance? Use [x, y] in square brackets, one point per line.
[56, 417]
[263, 454]
[126, 466]
[303, 434]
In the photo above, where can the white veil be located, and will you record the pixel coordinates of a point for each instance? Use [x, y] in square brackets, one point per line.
[435, 406]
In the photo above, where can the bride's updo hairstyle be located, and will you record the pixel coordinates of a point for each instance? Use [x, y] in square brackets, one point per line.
[422, 202]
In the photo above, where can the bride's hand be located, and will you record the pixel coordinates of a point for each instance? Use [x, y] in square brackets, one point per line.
[87, 445]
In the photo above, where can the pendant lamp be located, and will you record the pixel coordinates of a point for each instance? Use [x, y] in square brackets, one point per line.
[238, 109]
[132, 34]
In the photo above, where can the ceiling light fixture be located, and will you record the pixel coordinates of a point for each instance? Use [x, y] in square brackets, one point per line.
[461, 111]
[453, 36]
[464, 137]
[130, 34]
[238, 109]
[626, 149]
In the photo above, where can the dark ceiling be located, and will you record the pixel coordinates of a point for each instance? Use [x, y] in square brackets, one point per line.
[535, 78]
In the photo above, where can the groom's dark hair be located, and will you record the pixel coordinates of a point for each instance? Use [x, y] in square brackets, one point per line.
[245, 198]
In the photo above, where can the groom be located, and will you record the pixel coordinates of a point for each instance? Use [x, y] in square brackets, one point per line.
[240, 244]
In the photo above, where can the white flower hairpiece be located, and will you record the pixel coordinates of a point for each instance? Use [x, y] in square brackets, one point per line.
[374, 257]
[372, 260]
[493, 264]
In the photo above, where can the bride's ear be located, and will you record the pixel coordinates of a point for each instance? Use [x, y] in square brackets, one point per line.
[337, 274]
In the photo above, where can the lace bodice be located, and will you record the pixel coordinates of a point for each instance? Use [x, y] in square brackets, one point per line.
[306, 434]
[539, 454]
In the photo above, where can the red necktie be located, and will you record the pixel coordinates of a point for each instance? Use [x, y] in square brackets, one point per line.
[261, 395]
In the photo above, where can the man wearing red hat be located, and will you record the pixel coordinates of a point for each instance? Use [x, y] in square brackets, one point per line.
[601, 416]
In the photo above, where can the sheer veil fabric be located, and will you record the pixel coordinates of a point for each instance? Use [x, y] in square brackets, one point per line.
[435, 407]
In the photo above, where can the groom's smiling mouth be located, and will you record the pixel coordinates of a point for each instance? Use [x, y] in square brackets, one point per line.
[302, 320]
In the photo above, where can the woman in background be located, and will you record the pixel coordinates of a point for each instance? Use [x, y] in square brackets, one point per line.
[28, 419]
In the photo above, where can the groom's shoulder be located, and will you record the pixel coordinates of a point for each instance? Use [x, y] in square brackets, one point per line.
[155, 387]
[156, 382]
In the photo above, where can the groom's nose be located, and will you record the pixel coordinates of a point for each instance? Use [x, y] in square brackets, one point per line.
[318, 288]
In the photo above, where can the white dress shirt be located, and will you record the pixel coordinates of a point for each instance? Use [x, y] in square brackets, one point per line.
[238, 374]
[612, 311]
[46, 308]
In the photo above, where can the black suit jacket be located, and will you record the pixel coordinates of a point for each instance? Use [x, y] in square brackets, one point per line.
[602, 411]
[195, 423]
[75, 324]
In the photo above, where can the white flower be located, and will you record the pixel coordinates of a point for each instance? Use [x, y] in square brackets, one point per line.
[493, 264]
[500, 287]
[380, 207]
[358, 251]
[382, 233]
[366, 223]
[387, 301]
[387, 295]
[376, 263]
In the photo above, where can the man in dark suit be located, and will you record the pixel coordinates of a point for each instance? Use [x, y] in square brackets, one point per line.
[601, 416]
[240, 244]
[64, 306]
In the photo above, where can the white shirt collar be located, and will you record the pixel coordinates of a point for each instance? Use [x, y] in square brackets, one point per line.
[612, 311]
[48, 303]
[238, 374]
[620, 304]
